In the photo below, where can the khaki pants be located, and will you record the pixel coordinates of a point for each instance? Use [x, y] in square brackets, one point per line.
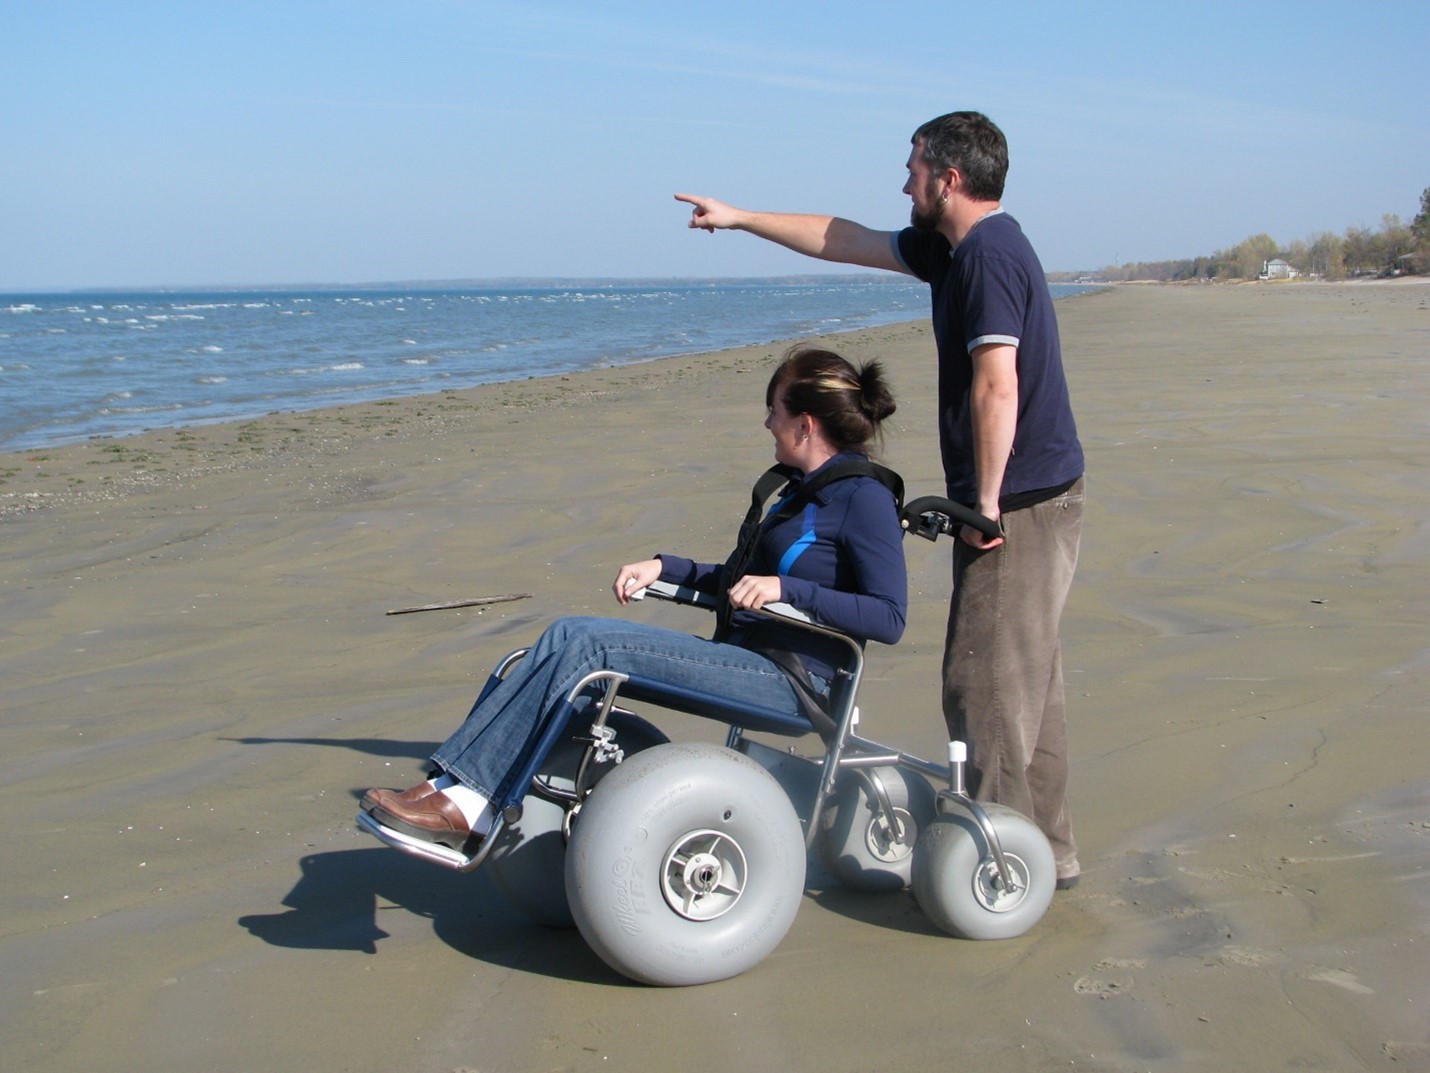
[1002, 671]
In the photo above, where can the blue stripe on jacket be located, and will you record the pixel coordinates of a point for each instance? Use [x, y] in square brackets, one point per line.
[795, 550]
[841, 560]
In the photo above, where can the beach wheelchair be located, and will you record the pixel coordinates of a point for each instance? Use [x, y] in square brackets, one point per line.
[684, 862]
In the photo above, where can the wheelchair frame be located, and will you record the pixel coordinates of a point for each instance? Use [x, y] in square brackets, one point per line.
[846, 751]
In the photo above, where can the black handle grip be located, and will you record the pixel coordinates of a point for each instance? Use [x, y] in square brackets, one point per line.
[947, 514]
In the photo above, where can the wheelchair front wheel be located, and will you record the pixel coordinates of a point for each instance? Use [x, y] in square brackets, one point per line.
[955, 874]
[527, 864]
[687, 865]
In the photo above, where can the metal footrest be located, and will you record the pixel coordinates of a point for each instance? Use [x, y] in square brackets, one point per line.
[430, 851]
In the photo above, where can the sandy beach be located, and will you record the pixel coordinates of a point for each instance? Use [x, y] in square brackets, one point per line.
[201, 678]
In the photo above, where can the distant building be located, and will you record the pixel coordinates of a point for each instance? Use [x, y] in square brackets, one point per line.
[1277, 269]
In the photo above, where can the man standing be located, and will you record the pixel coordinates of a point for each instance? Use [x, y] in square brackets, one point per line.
[1010, 449]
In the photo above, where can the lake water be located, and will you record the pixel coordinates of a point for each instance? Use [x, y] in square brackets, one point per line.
[74, 366]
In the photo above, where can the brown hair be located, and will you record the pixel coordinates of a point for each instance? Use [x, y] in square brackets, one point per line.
[970, 142]
[851, 404]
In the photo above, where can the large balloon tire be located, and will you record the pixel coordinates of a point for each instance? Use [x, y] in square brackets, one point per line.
[527, 864]
[859, 844]
[686, 866]
[954, 874]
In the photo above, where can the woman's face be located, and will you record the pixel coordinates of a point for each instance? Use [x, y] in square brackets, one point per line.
[789, 431]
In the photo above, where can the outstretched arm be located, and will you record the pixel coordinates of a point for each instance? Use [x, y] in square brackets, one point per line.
[828, 238]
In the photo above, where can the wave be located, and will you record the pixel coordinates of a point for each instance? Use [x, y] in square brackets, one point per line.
[131, 411]
[317, 370]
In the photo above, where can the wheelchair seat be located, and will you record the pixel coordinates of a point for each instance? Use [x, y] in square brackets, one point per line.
[790, 722]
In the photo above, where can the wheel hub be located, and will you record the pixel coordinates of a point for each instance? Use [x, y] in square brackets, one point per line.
[995, 895]
[888, 837]
[703, 875]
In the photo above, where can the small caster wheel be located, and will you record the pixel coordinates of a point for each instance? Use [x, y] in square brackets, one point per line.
[865, 846]
[956, 880]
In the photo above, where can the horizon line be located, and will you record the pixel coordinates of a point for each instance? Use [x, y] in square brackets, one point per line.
[462, 282]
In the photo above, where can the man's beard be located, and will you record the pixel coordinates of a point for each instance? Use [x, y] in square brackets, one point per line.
[928, 221]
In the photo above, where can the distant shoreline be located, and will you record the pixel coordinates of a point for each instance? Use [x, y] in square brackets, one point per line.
[1364, 281]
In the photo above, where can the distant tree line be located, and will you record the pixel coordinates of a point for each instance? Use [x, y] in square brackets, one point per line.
[1396, 248]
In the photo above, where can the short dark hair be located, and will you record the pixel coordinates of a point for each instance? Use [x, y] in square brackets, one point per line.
[849, 403]
[970, 142]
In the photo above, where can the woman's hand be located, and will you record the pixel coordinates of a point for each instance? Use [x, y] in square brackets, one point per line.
[635, 576]
[751, 593]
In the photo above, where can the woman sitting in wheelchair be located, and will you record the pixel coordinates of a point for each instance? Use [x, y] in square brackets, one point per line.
[831, 547]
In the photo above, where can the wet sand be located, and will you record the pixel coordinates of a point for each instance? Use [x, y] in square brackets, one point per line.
[200, 678]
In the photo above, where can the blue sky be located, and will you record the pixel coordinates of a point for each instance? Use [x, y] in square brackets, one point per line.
[351, 141]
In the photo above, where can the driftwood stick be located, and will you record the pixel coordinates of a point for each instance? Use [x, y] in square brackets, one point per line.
[462, 603]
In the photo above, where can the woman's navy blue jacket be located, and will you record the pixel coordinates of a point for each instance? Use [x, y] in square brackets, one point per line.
[839, 560]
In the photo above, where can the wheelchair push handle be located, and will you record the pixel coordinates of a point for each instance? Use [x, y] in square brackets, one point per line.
[933, 516]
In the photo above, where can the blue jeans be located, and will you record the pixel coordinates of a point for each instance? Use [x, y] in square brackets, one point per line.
[507, 725]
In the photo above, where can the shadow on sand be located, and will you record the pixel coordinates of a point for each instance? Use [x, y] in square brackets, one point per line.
[336, 902]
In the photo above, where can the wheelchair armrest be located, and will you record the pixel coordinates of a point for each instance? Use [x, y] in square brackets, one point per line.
[683, 594]
[787, 613]
[679, 594]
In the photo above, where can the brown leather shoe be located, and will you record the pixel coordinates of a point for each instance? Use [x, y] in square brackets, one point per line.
[433, 818]
[378, 797]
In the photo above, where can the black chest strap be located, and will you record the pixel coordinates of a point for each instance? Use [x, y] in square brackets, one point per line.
[762, 637]
[756, 522]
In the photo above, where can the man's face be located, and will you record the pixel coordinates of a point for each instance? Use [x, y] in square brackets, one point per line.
[923, 189]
